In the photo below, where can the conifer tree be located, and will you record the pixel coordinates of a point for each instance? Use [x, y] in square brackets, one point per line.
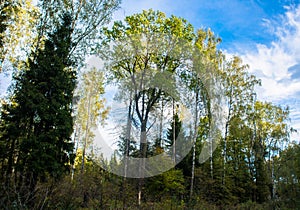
[173, 133]
[36, 127]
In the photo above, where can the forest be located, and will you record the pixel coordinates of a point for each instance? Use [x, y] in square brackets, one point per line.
[188, 129]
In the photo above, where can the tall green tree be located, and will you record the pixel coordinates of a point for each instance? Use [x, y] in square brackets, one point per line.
[239, 90]
[287, 172]
[91, 109]
[271, 133]
[201, 78]
[148, 51]
[36, 126]
[238, 87]
[172, 134]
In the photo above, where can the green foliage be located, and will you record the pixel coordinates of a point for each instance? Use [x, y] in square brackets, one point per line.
[147, 50]
[90, 109]
[175, 127]
[287, 166]
[151, 56]
[40, 112]
[17, 29]
[170, 183]
[88, 18]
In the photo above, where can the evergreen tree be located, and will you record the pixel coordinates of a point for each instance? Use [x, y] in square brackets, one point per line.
[36, 127]
[173, 133]
[287, 173]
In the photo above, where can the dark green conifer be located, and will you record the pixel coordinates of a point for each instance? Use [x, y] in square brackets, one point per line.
[36, 126]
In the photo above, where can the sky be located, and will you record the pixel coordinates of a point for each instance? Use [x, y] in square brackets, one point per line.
[264, 33]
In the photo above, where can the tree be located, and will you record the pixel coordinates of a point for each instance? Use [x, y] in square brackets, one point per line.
[88, 18]
[91, 108]
[239, 89]
[148, 51]
[271, 132]
[172, 134]
[238, 86]
[17, 29]
[202, 79]
[37, 125]
[287, 173]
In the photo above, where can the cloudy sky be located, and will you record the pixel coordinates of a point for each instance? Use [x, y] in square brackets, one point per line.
[264, 33]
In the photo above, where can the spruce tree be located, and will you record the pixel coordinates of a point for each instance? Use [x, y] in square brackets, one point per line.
[175, 124]
[35, 128]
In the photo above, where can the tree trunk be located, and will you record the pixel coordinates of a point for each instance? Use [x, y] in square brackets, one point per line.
[76, 141]
[194, 144]
[225, 138]
[143, 152]
[174, 133]
[128, 136]
[127, 150]
[86, 135]
[161, 124]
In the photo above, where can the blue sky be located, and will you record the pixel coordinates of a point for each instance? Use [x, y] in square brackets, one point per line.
[237, 22]
[264, 33]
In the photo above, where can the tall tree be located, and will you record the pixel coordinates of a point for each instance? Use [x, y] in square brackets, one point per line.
[37, 125]
[287, 173]
[271, 133]
[148, 51]
[202, 79]
[91, 109]
[239, 88]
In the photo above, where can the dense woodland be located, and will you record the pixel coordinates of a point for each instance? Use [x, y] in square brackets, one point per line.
[239, 151]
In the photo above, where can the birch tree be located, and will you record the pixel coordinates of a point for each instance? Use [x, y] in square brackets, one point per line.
[91, 109]
[18, 20]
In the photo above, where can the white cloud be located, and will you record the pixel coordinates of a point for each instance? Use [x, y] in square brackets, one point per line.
[272, 63]
[278, 64]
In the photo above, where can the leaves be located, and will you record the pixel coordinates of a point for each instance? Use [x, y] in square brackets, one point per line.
[41, 111]
[156, 62]
[17, 30]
